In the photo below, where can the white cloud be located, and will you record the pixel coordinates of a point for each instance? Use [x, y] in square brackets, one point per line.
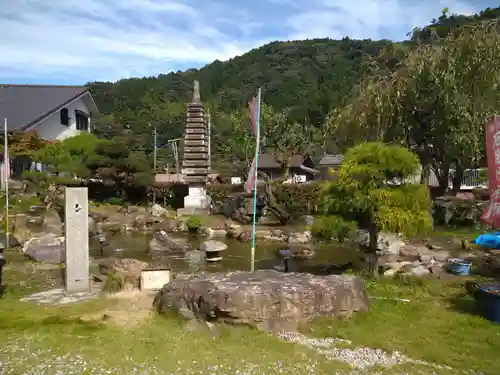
[375, 19]
[78, 41]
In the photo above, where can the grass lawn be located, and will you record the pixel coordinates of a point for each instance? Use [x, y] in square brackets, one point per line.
[75, 339]
[438, 325]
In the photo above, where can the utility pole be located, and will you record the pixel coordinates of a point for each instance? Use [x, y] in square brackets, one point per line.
[175, 150]
[154, 162]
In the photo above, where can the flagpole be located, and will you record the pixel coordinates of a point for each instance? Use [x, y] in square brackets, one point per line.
[254, 218]
[6, 165]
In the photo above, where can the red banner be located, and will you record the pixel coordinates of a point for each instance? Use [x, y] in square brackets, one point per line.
[491, 215]
[253, 106]
[250, 182]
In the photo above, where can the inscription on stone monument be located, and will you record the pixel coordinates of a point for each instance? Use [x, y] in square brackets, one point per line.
[77, 240]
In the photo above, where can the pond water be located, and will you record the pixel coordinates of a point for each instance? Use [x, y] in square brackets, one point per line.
[236, 257]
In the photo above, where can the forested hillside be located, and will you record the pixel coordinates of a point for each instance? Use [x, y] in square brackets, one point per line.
[306, 78]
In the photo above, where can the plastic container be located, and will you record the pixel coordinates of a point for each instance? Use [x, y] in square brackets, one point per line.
[459, 266]
[489, 240]
[488, 301]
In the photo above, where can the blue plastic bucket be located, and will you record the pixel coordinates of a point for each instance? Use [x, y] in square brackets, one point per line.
[459, 266]
[488, 300]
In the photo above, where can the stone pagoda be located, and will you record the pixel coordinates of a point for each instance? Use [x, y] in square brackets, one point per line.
[196, 159]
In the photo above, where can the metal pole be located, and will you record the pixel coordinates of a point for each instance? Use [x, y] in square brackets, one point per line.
[254, 219]
[154, 162]
[176, 155]
[6, 167]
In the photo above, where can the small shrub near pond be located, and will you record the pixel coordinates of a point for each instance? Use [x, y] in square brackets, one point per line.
[114, 283]
[327, 228]
[194, 222]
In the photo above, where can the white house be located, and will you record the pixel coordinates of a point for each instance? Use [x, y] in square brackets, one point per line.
[53, 112]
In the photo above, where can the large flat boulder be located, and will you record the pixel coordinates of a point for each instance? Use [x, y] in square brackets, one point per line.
[265, 299]
[48, 248]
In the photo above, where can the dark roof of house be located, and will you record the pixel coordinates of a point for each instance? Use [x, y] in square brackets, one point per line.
[329, 160]
[25, 105]
[268, 161]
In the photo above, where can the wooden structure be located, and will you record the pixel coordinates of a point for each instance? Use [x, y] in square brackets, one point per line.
[299, 165]
[328, 165]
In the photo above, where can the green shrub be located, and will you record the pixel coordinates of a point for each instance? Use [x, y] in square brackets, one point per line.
[37, 178]
[115, 201]
[114, 283]
[194, 223]
[297, 199]
[327, 228]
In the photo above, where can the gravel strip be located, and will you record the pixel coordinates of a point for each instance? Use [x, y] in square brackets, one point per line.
[24, 360]
[358, 358]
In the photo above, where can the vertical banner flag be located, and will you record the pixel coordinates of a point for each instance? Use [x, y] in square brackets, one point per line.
[491, 215]
[6, 176]
[254, 107]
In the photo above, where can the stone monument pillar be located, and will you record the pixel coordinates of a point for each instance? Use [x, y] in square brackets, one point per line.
[77, 240]
[195, 163]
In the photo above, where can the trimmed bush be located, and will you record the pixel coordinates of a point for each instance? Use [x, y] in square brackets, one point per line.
[333, 227]
[193, 223]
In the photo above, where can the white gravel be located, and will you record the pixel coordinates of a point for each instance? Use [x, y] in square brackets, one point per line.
[23, 359]
[359, 358]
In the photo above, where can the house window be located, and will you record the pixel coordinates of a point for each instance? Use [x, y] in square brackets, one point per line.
[64, 116]
[82, 120]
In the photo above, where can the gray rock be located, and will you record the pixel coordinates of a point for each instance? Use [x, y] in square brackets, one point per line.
[162, 242]
[13, 240]
[129, 268]
[264, 299]
[195, 259]
[299, 237]
[388, 243]
[92, 226]
[52, 223]
[158, 211]
[233, 230]
[308, 220]
[427, 255]
[48, 247]
[213, 246]
[418, 270]
[168, 225]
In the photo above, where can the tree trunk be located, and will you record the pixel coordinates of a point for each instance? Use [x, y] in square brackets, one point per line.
[443, 177]
[372, 252]
[273, 206]
[425, 174]
[457, 179]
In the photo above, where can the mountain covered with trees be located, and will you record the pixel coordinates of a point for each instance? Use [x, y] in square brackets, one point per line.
[309, 87]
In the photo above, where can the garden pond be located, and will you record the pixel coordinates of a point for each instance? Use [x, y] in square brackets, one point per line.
[236, 257]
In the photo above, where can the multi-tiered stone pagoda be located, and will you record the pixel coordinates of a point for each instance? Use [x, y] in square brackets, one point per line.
[196, 160]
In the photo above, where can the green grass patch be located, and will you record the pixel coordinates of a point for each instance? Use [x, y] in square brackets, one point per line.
[48, 339]
[438, 325]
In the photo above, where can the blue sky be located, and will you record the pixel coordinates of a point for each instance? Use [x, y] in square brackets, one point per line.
[76, 41]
